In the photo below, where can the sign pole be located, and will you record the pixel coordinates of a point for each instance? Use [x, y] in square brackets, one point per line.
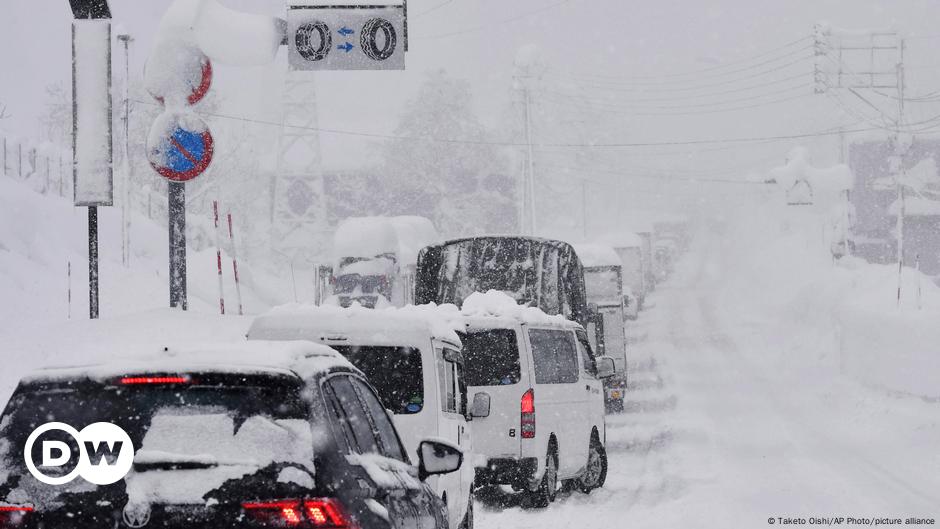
[176, 214]
[93, 262]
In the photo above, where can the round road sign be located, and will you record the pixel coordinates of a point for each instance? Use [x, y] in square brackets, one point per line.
[180, 146]
[178, 71]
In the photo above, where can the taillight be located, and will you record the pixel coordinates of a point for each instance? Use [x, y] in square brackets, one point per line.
[144, 380]
[527, 409]
[14, 515]
[326, 513]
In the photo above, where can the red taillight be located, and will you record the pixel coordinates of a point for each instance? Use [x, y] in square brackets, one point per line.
[137, 381]
[13, 515]
[527, 408]
[325, 513]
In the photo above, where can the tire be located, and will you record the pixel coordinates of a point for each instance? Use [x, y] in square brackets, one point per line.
[467, 522]
[548, 487]
[595, 472]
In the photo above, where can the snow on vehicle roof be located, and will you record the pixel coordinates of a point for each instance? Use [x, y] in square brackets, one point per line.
[592, 254]
[311, 322]
[364, 237]
[501, 306]
[296, 357]
[623, 239]
[403, 236]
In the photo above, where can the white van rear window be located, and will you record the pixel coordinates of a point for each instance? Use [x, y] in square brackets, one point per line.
[555, 355]
[492, 357]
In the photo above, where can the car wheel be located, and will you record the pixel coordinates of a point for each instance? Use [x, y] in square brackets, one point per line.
[545, 493]
[467, 522]
[595, 473]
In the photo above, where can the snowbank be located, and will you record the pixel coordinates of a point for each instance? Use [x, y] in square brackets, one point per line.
[840, 315]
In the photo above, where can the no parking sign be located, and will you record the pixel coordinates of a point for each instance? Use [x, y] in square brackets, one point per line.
[180, 146]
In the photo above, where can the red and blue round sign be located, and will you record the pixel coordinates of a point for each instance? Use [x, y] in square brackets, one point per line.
[180, 147]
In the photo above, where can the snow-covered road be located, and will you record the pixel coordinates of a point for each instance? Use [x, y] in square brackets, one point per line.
[736, 416]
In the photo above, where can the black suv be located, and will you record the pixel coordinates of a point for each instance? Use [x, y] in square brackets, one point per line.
[217, 445]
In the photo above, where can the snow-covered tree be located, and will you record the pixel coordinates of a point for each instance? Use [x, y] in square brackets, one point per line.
[463, 187]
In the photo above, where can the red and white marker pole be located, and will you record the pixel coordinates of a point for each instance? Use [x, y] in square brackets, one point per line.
[218, 255]
[238, 288]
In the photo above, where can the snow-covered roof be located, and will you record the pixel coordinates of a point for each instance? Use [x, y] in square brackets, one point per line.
[402, 236]
[378, 326]
[597, 255]
[394, 325]
[296, 357]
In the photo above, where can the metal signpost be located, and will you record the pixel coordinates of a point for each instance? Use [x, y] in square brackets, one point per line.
[91, 122]
[179, 149]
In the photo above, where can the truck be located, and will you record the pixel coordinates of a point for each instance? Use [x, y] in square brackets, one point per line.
[542, 273]
[629, 248]
[603, 279]
[375, 258]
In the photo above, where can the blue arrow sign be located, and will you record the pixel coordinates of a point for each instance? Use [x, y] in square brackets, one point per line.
[347, 47]
[344, 31]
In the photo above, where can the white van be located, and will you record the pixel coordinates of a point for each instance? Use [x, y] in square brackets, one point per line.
[546, 421]
[414, 361]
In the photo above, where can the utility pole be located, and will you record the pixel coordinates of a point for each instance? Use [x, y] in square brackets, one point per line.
[529, 181]
[126, 169]
[901, 171]
[584, 210]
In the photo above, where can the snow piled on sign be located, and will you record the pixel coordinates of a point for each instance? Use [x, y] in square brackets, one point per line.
[93, 171]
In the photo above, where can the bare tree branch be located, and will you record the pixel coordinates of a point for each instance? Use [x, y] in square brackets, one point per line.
[3, 112]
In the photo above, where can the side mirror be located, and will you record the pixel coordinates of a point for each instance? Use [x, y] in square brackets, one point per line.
[605, 367]
[438, 457]
[481, 405]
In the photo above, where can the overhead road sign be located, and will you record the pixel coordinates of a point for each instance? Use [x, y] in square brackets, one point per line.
[346, 37]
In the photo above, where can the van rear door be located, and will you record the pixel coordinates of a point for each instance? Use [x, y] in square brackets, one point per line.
[493, 366]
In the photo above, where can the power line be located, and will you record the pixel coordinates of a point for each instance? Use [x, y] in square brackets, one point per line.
[655, 88]
[431, 9]
[628, 108]
[492, 24]
[724, 92]
[496, 143]
[697, 73]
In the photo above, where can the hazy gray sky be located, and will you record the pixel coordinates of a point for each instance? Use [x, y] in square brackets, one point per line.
[478, 39]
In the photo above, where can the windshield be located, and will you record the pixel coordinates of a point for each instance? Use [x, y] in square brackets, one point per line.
[199, 425]
[362, 285]
[395, 372]
[492, 357]
[602, 284]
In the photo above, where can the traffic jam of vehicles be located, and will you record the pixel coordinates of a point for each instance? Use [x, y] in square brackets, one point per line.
[424, 374]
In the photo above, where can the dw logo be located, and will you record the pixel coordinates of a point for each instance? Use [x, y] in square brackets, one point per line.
[102, 453]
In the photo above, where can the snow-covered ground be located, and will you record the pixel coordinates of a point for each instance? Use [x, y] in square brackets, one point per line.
[739, 408]
[743, 404]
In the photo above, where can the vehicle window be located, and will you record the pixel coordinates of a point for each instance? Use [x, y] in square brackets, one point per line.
[395, 372]
[587, 353]
[351, 414]
[447, 381]
[602, 284]
[384, 429]
[555, 356]
[220, 418]
[491, 357]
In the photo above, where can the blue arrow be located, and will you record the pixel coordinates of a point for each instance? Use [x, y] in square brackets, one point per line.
[345, 31]
[347, 47]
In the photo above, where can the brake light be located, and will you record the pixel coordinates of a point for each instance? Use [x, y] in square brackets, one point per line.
[527, 415]
[14, 515]
[321, 513]
[137, 380]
